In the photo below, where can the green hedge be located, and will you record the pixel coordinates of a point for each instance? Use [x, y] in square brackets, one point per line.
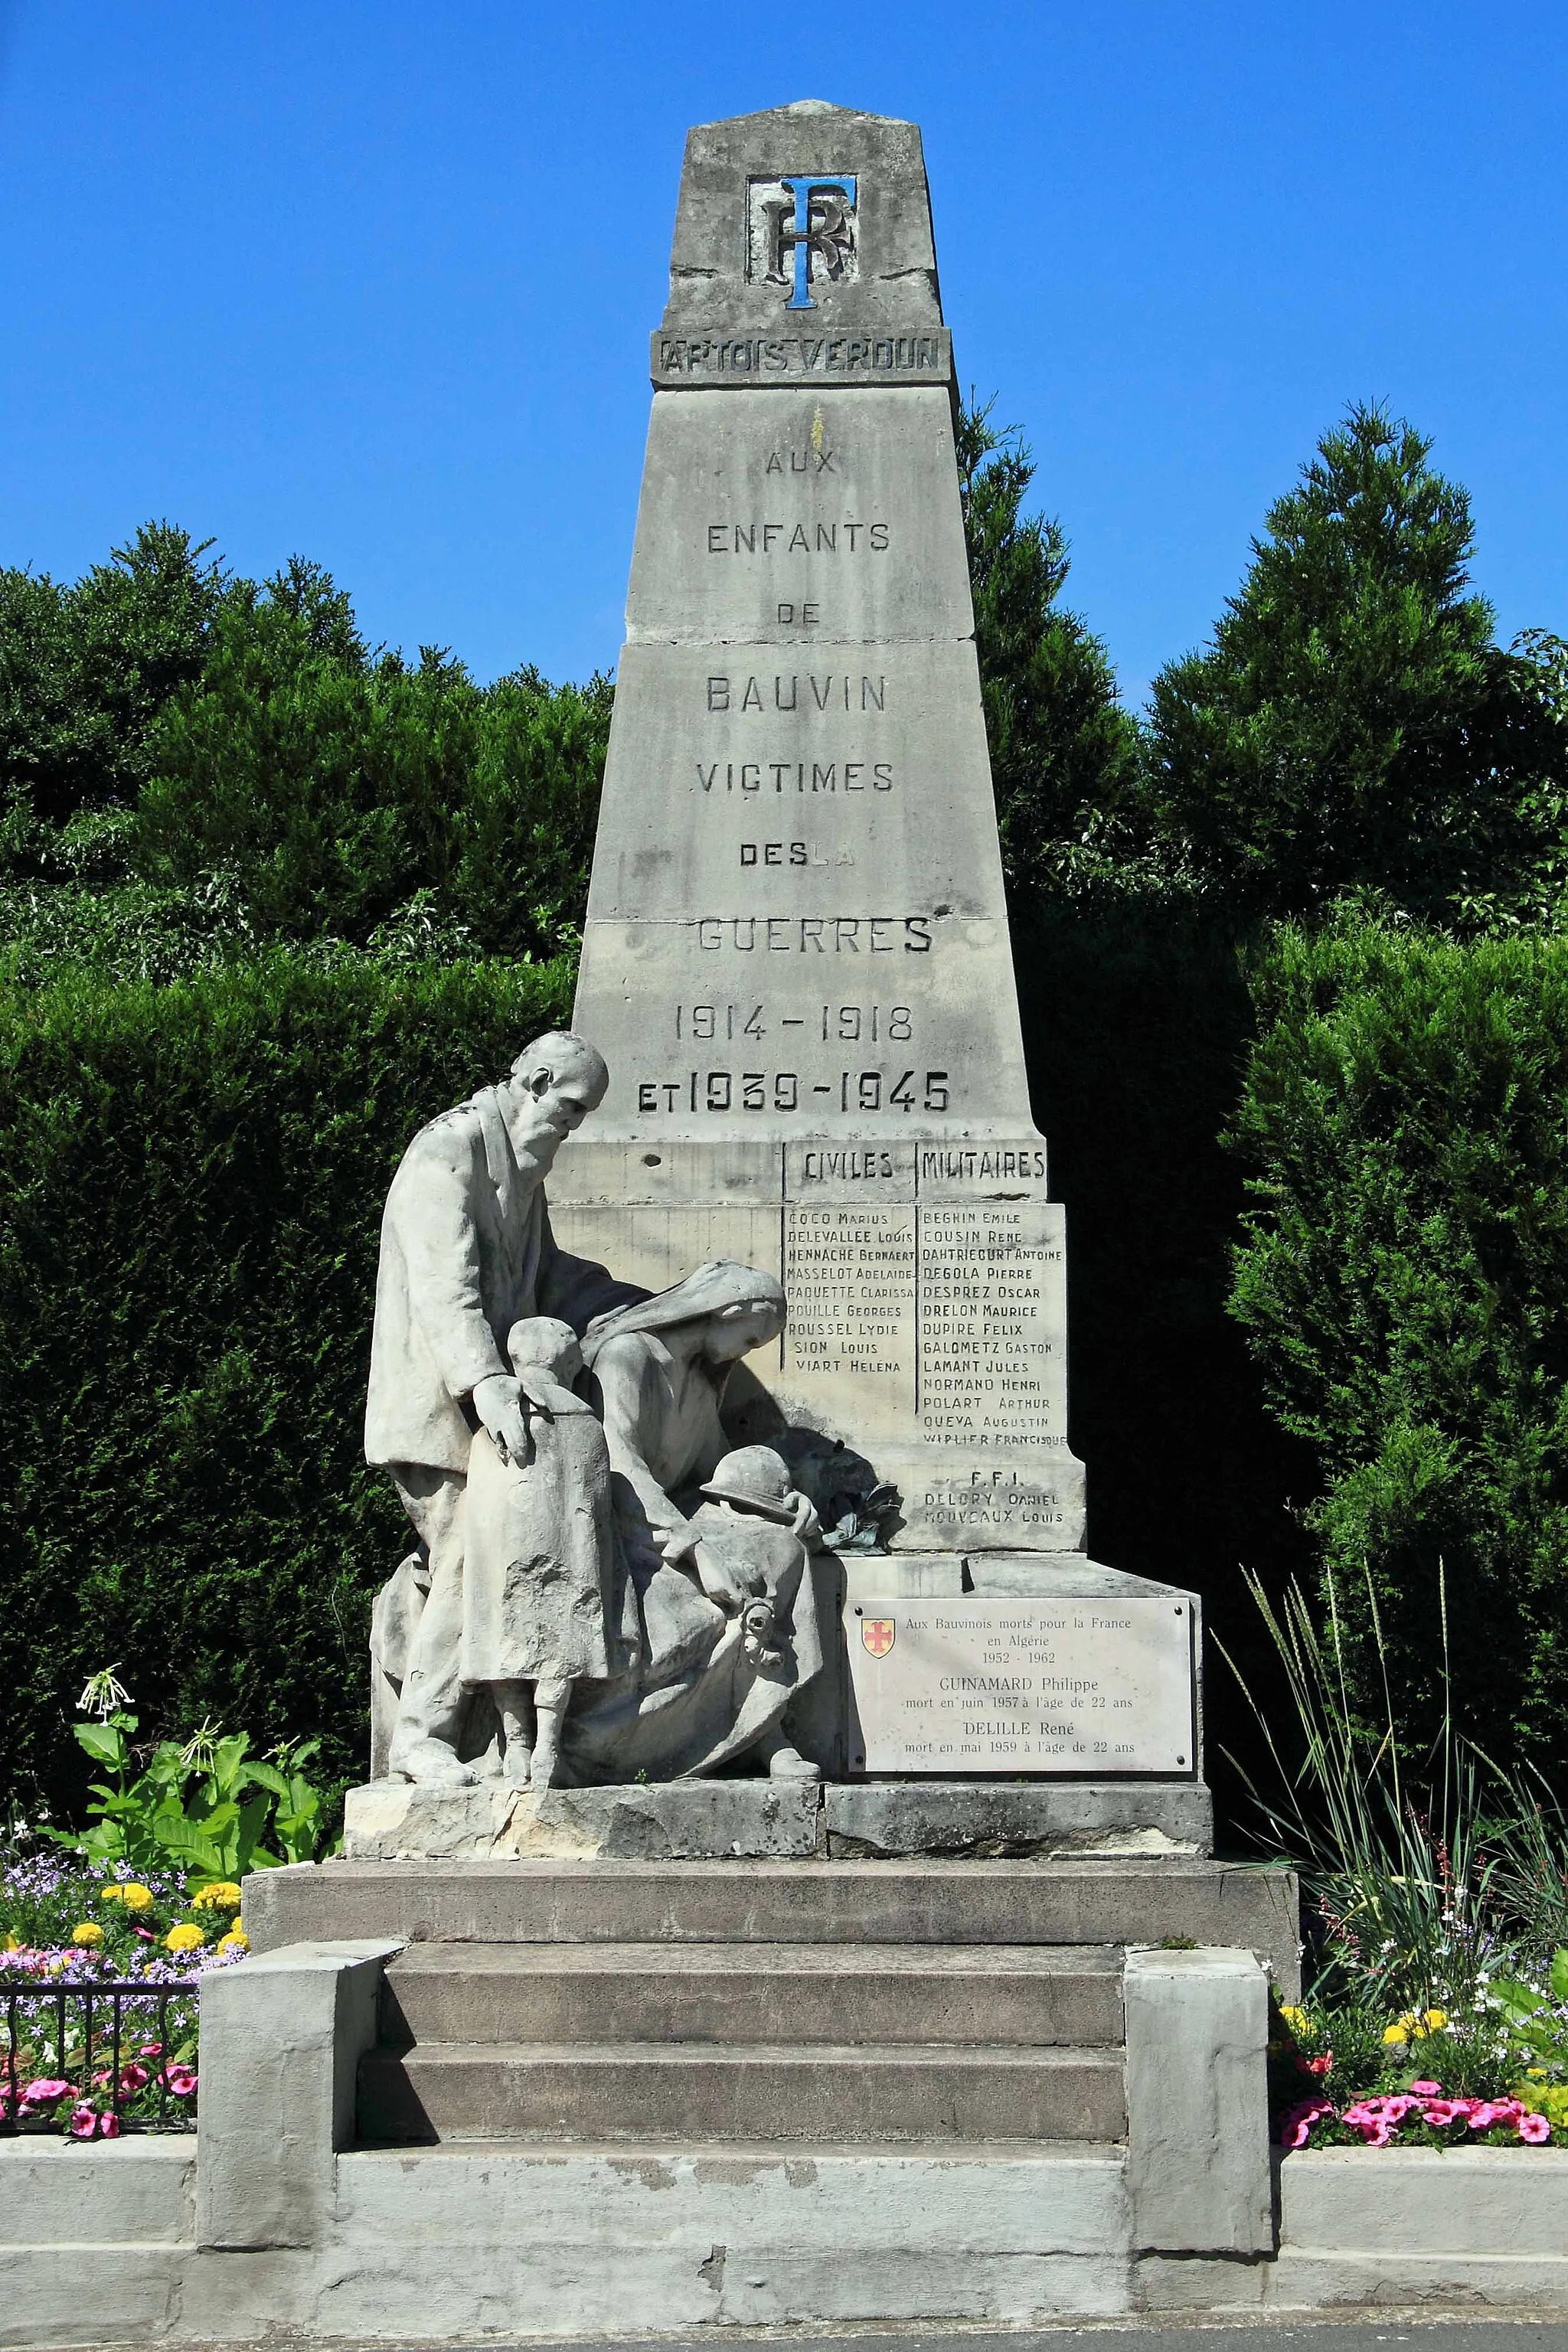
[1405, 1291]
[193, 1178]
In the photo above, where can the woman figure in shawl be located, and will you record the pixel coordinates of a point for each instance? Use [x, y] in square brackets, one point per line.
[705, 1691]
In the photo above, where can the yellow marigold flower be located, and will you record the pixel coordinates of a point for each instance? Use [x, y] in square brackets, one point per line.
[1392, 2033]
[136, 1897]
[223, 1894]
[1296, 2019]
[236, 1940]
[87, 1931]
[1435, 2020]
[112, 1893]
[186, 1937]
[9, 1943]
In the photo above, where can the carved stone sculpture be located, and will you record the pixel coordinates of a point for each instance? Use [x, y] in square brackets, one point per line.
[708, 1687]
[465, 1253]
[603, 1590]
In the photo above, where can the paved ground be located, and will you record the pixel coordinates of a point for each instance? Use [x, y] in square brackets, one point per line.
[1490, 2332]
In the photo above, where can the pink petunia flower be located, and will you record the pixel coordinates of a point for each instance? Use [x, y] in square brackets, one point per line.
[1426, 2090]
[181, 2082]
[1441, 2112]
[84, 2123]
[109, 2127]
[46, 2090]
[1296, 2126]
[1534, 2130]
[150, 2050]
[134, 2077]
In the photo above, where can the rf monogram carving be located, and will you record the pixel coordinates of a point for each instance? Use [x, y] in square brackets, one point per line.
[801, 229]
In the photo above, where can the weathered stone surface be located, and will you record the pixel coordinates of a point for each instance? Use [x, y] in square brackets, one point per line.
[895, 1348]
[1019, 1576]
[675, 2238]
[880, 551]
[888, 282]
[1197, 2102]
[1426, 2201]
[778, 1993]
[1002, 1819]
[1125, 1901]
[719, 2091]
[56, 2192]
[667, 1820]
[282, 2035]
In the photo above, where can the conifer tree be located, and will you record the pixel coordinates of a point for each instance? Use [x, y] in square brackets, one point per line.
[1063, 751]
[1353, 725]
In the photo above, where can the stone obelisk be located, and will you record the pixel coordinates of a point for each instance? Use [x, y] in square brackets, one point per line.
[797, 960]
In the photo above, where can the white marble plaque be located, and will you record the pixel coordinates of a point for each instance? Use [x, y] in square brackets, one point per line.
[1082, 1686]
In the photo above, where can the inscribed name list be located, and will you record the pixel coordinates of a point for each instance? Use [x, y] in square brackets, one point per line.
[1079, 1686]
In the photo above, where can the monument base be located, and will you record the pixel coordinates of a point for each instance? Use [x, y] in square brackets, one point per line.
[670, 1820]
[715, 1821]
[1001, 1821]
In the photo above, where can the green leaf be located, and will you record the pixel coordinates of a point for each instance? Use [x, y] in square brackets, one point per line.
[104, 1742]
[190, 1845]
[1559, 1975]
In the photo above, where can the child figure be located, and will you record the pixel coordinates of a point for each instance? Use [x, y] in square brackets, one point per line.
[539, 1572]
[749, 1546]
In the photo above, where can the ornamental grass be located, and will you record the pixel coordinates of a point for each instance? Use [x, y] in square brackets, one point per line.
[1435, 1918]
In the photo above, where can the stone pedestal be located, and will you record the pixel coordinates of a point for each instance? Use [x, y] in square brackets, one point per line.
[672, 1820]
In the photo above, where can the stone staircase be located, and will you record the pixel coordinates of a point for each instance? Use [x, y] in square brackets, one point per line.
[831, 2004]
[822, 2041]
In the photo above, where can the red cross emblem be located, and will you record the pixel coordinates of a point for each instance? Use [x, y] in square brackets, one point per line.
[877, 1634]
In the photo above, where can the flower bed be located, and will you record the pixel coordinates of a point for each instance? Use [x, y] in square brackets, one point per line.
[99, 2015]
[1345, 2080]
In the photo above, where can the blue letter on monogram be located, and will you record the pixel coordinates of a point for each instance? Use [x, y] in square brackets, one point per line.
[821, 225]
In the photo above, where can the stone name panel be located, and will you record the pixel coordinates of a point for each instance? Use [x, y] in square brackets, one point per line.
[1021, 1686]
[830, 944]
[919, 356]
[798, 516]
[927, 1307]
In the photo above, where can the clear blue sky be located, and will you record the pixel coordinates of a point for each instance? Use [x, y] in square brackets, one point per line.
[372, 279]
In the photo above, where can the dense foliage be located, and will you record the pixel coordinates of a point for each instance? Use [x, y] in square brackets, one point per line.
[1404, 1287]
[85, 672]
[194, 1176]
[1064, 753]
[193, 765]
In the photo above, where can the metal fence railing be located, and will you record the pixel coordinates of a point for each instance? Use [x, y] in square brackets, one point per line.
[111, 2048]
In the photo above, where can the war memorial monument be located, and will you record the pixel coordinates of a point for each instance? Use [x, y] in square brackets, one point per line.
[785, 1862]
[807, 1080]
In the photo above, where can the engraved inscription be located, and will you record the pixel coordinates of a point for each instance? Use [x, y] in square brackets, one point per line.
[985, 1342]
[812, 692]
[753, 356]
[801, 776]
[1024, 1685]
[849, 537]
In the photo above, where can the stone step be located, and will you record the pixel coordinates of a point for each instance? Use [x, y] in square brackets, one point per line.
[893, 1902]
[705, 2091]
[782, 1993]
